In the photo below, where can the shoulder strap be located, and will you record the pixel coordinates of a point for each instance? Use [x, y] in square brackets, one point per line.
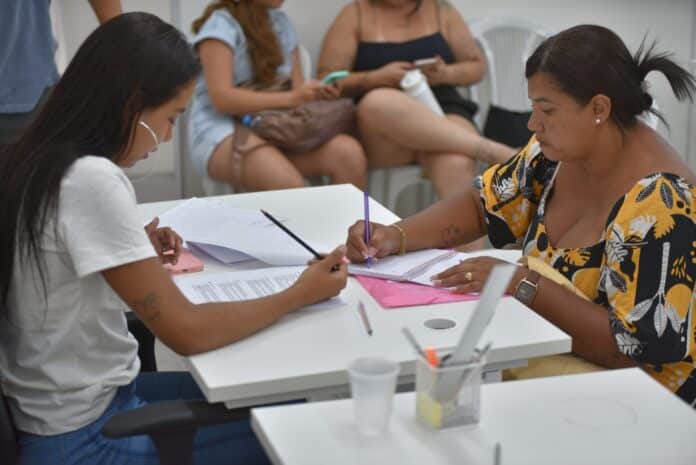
[438, 13]
[357, 5]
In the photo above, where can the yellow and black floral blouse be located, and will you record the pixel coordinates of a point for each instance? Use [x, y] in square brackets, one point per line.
[642, 269]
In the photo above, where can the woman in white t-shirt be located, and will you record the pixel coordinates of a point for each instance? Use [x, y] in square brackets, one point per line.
[73, 250]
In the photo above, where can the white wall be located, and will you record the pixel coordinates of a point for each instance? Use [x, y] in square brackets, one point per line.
[671, 22]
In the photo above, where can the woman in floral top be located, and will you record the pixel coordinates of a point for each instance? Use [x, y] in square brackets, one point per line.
[596, 196]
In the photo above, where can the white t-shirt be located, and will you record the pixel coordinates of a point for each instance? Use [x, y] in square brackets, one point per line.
[63, 356]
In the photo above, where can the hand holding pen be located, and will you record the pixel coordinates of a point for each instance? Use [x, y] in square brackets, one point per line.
[384, 240]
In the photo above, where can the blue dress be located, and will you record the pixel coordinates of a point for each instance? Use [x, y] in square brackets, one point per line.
[207, 126]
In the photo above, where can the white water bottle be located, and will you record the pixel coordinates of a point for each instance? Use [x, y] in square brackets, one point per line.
[416, 85]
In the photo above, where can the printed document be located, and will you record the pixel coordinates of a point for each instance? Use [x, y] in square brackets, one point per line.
[234, 286]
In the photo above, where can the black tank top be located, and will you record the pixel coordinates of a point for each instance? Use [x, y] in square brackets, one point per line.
[374, 55]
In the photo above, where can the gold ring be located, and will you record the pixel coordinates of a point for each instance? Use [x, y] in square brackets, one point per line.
[468, 276]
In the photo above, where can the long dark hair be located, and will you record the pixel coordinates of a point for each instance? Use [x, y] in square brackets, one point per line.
[264, 47]
[588, 60]
[131, 63]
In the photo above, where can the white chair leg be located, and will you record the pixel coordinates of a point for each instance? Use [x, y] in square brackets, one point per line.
[212, 187]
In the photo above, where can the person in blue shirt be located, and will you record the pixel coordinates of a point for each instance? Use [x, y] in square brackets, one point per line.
[27, 66]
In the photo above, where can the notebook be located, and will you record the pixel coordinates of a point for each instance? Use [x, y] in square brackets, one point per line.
[402, 267]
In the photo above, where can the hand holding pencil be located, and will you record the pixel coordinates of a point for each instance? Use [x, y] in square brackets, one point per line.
[323, 278]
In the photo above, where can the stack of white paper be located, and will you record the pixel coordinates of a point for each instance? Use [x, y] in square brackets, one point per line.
[234, 234]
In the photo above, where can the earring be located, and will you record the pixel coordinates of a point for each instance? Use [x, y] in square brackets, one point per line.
[597, 121]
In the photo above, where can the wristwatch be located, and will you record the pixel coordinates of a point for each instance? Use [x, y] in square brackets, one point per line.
[527, 288]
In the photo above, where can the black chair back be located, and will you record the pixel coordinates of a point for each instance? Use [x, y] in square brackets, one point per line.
[9, 450]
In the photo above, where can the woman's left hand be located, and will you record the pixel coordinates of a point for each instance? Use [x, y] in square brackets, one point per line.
[437, 74]
[166, 241]
[471, 275]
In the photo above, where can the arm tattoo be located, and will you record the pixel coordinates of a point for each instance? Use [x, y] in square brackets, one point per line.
[452, 235]
[147, 308]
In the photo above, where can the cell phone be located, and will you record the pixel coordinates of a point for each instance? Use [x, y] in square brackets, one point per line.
[425, 62]
[334, 76]
[187, 263]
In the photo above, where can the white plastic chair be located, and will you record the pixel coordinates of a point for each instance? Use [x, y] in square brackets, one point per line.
[650, 119]
[305, 62]
[506, 43]
[386, 185]
[213, 187]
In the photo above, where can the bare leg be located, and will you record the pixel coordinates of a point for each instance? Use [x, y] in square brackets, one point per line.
[342, 159]
[265, 168]
[451, 173]
[392, 115]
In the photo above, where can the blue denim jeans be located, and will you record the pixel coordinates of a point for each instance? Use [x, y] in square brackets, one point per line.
[230, 443]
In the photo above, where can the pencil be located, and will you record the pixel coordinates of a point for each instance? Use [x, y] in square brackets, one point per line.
[363, 317]
[292, 234]
[413, 341]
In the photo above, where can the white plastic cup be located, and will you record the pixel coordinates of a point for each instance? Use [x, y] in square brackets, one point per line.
[372, 386]
[416, 85]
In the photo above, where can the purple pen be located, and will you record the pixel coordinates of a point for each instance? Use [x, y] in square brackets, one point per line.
[366, 207]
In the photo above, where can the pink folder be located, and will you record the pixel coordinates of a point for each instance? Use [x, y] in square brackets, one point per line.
[392, 294]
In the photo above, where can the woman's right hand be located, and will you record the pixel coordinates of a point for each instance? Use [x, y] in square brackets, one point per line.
[384, 240]
[390, 75]
[324, 278]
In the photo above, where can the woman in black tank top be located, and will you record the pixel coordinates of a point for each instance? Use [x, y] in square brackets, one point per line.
[378, 40]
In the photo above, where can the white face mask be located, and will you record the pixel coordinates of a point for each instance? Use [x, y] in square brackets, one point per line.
[152, 133]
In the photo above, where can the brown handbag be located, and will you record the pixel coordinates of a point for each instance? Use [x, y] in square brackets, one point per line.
[303, 128]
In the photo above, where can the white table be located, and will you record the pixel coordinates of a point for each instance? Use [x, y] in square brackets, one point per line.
[612, 417]
[305, 354]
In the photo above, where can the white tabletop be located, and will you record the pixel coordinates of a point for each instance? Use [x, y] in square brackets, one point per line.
[612, 417]
[309, 350]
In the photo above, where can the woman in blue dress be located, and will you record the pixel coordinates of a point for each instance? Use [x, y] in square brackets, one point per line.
[250, 57]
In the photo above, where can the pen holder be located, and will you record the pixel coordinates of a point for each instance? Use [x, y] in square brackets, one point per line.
[449, 395]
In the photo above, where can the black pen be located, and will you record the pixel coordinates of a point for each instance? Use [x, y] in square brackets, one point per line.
[292, 234]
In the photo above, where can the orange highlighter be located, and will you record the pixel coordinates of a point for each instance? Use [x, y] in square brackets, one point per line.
[431, 357]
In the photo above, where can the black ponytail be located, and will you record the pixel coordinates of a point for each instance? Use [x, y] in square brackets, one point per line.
[588, 60]
[680, 80]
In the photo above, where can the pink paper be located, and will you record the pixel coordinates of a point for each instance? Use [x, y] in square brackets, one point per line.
[392, 294]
